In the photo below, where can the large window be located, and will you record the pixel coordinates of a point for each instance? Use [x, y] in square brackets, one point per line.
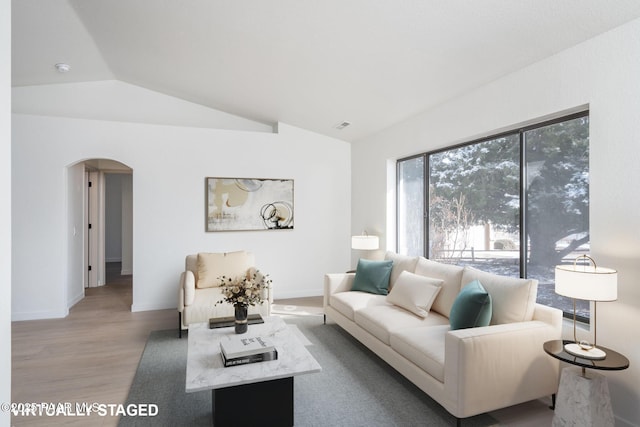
[514, 204]
[411, 206]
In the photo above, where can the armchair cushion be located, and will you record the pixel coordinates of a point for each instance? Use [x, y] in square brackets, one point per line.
[212, 266]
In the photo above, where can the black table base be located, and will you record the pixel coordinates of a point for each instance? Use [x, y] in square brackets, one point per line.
[267, 403]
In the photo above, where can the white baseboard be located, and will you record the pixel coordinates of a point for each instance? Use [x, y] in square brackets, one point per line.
[303, 293]
[154, 306]
[126, 272]
[38, 315]
[113, 259]
[73, 301]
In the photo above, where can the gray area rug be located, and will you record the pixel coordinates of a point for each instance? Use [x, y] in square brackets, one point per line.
[355, 387]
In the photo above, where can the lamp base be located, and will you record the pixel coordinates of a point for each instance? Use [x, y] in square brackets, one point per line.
[592, 353]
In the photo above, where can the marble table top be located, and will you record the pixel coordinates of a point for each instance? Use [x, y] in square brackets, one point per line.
[205, 370]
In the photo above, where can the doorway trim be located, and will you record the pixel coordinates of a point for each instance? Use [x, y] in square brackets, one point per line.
[94, 228]
[86, 205]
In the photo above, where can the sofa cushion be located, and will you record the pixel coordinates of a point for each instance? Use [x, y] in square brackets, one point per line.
[400, 263]
[513, 299]
[347, 303]
[423, 346]
[451, 276]
[472, 307]
[211, 266]
[381, 320]
[414, 293]
[372, 276]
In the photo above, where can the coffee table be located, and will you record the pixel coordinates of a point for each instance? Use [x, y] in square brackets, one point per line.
[253, 394]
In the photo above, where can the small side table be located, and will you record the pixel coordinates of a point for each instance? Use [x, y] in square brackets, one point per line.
[584, 400]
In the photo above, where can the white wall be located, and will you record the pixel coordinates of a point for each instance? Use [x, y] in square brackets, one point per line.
[120, 101]
[127, 224]
[170, 165]
[113, 217]
[5, 207]
[602, 73]
[75, 258]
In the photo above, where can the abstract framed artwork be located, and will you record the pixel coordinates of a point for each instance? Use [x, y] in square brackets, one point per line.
[244, 204]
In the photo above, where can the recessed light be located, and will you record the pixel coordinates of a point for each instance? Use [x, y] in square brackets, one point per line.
[342, 125]
[62, 67]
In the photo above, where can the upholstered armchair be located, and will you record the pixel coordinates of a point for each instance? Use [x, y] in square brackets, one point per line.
[200, 287]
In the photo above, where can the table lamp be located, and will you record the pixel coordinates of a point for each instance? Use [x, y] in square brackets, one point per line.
[365, 242]
[586, 282]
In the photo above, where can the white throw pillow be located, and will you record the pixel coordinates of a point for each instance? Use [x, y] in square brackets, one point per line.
[211, 266]
[450, 274]
[415, 293]
[400, 263]
[513, 299]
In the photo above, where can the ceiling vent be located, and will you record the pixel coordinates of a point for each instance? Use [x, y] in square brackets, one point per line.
[342, 125]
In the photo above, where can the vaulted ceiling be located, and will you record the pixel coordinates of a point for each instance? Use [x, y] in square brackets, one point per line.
[308, 63]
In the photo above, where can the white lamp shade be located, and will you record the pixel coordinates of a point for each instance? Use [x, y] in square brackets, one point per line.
[365, 242]
[587, 282]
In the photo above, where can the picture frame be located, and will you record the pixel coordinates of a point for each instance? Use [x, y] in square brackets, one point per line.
[248, 204]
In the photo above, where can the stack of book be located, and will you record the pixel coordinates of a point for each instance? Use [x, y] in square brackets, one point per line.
[242, 350]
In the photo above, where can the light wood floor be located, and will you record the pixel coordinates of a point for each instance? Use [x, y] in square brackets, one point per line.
[93, 353]
[89, 356]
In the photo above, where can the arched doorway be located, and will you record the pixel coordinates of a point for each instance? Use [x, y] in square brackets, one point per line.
[100, 217]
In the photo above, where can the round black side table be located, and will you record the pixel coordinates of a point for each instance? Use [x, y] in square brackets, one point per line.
[577, 391]
[613, 362]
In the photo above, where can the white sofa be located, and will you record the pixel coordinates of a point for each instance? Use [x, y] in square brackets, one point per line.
[467, 371]
[199, 288]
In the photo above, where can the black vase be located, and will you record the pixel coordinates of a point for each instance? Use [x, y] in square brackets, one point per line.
[241, 318]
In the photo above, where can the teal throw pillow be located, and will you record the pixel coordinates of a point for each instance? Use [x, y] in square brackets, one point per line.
[372, 276]
[471, 308]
